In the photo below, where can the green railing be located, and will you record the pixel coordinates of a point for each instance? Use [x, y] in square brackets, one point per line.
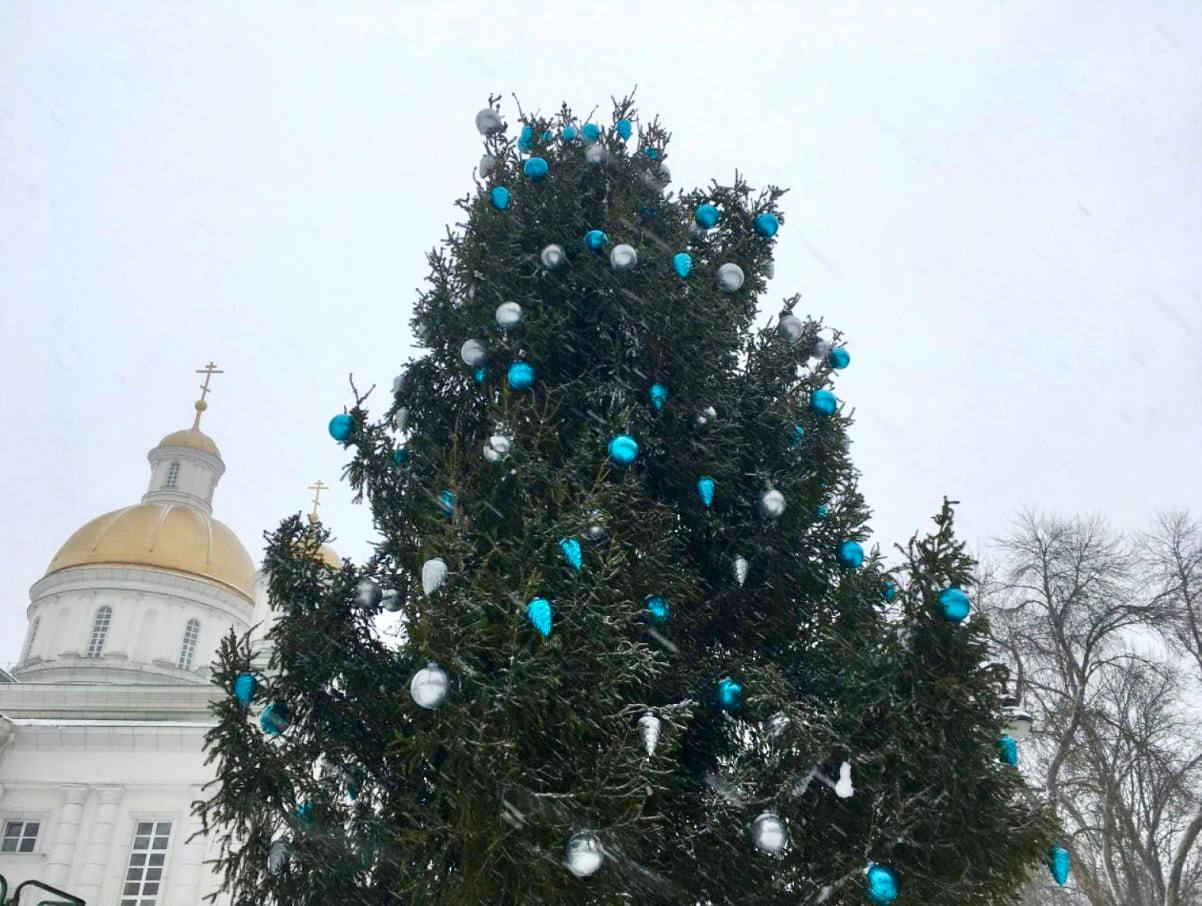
[66, 898]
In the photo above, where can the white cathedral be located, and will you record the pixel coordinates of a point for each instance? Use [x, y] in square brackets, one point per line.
[103, 718]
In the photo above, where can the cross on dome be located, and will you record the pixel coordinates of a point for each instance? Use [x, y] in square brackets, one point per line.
[208, 371]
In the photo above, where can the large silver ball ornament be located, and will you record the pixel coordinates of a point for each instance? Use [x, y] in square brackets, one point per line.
[772, 504]
[509, 315]
[706, 415]
[623, 257]
[553, 257]
[434, 573]
[473, 353]
[278, 856]
[584, 856]
[769, 834]
[730, 277]
[488, 121]
[497, 448]
[791, 327]
[822, 349]
[596, 154]
[390, 600]
[400, 419]
[770, 269]
[430, 686]
[596, 530]
[368, 593]
[487, 164]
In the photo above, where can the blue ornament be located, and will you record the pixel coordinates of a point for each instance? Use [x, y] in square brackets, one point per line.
[623, 449]
[799, 434]
[729, 694]
[591, 132]
[568, 133]
[478, 374]
[658, 611]
[652, 153]
[707, 216]
[572, 552]
[624, 129]
[341, 427]
[548, 135]
[446, 502]
[823, 402]
[520, 376]
[659, 395]
[839, 358]
[766, 225]
[596, 240]
[1059, 862]
[526, 139]
[538, 612]
[881, 881]
[953, 604]
[888, 591]
[275, 719]
[499, 197]
[304, 814]
[400, 456]
[823, 511]
[850, 554]
[244, 688]
[682, 263]
[536, 169]
[1008, 751]
[705, 487]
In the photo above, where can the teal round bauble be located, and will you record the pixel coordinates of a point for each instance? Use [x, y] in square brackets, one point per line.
[245, 686]
[520, 376]
[658, 610]
[596, 240]
[479, 374]
[728, 694]
[526, 138]
[400, 456]
[1059, 863]
[499, 197]
[624, 129]
[446, 501]
[707, 216]
[341, 427]
[568, 133]
[659, 396]
[591, 132]
[798, 435]
[850, 554]
[881, 883]
[538, 612]
[888, 591]
[1008, 751]
[623, 449]
[839, 357]
[823, 402]
[548, 135]
[682, 263]
[705, 490]
[652, 153]
[535, 169]
[572, 552]
[766, 225]
[823, 511]
[275, 719]
[954, 604]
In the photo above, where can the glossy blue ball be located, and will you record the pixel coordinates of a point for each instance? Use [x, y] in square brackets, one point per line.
[728, 694]
[400, 456]
[596, 240]
[658, 610]
[1059, 863]
[341, 427]
[526, 139]
[823, 402]
[705, 490]
[568, 133]
[548, 135]
[572, 552]
[499, 197]
[623, 449]
[707, 216]
[652, 153]
[850, 554]
[536, 169]
[538, 612]
[839, 357]
[953, 604]
[446, 502]
[823, 511]
[798, 435]
[520, 376]
[682, 263]
[1008, 751]
[659, 396]
[888, 591]
[244, 688]
[591, 132]
[275, 719]
[766, 225]
[881, 881]
[479, 374]
[624, 129]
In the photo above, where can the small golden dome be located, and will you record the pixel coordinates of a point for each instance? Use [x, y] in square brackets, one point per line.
[193, 438]
[329, 557]
[167, 536]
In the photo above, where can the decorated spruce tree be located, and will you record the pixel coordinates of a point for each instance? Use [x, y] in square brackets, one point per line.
[643, 655]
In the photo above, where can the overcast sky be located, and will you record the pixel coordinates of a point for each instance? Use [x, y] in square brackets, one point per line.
[1000, 203]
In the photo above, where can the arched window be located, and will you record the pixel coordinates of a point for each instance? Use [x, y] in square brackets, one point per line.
[33, 637]
[100, 630]
[187, 647]
[172, 475]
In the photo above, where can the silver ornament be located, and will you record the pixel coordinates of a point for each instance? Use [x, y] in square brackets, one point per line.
[651, 726]
[584, 855]
[844, 789]
[776, 724]
[741, 568]
[770, 269]
[434, 573]
[1019, 722]
[553, 257]
[596, 154]
[488, 121]
[664, 175]
[430, 686]
[623, 257]
[822, 349]
[473, 354]
[279, 856]
[730, 277]
[398, 383]
[697, 229]
[488, 163]
[706, 415]
[791, 327]
[596, 530]
[497, 448]
[769, 834]
[368, 593]
[509, 315]
[650, 180]
[390, 600]
[772, 504]
[400, 419]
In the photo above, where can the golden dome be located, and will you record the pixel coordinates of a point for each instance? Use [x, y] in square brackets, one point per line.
[329, 557]
[191, 437]
[167, 536]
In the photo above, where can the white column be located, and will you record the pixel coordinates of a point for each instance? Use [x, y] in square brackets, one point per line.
[100, 841]
[66, 833]
[191, 861]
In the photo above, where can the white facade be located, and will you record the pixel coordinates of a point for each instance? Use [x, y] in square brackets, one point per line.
[102, 734]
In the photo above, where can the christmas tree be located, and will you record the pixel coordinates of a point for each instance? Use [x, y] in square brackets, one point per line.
[644, 655]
